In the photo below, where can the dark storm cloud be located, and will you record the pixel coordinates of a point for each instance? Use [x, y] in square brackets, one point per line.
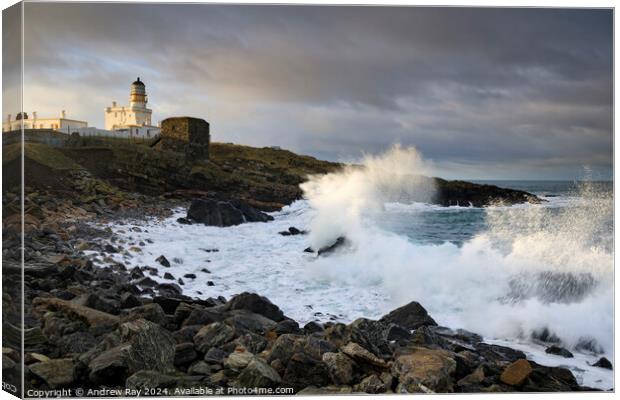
[486, 87]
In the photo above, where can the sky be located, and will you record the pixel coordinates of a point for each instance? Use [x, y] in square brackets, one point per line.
[481, 93]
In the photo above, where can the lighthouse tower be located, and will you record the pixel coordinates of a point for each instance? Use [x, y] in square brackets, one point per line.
[137, 95]
[133, 118]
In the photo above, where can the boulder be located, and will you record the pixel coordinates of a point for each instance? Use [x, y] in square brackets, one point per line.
[410, 316]
[184, 353]
[256, 304]
[371, 335]
[424, 370]
[150, 312]
[516, 373]
[213, 335]
[325, 250]
[559, 351]
[98, 321]
[362, 356]
[238, 360]
[257, 374]
[163, 261]
[603, 363]
[244, 321]
[57, 373]
[372, 384]
[339, 367]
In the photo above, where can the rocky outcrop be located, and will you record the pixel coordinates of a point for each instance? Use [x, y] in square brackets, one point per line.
[224, 213]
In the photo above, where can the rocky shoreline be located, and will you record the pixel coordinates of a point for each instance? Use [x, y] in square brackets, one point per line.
[93, 323]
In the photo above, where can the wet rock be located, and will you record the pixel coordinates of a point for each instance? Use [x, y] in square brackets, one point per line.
[215, 213]
[169, 276]
[371, 335]
[339, 367]
[423, 370]
[163, 261]
[495, 353]
[589, 344]
[213, 335]
[340, 241]
[184, 221]
[559, 351]
[146, 282]
[603, 363]
[97, 302]
[256, 304]
[516, 373]
[308, 250]
[243, 322]
[189, 276]
[475, 378]
[252, 342]
[258, 374]
[410, 316]
[56, 373]
[98, 321]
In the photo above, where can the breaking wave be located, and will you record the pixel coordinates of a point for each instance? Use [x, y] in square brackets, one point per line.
[533, 269]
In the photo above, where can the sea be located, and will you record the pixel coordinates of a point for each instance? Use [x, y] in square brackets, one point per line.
[505, 272]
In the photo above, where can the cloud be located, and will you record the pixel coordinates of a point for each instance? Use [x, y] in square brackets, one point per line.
[467, 86]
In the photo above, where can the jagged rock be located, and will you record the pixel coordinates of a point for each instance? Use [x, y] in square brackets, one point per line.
[75, 343]
[362, 356]
[371, 335]
[603, 363]
[339, 367]
[474, 378]
[163, 261]
[252, 342]
[57, 373]
[549, 379]
[424, 369]
[97, 302]
[516, 373]
[410, 316]
[495, 353]
[256, 304]
[258, 374]
[213, 335]
[559, 351]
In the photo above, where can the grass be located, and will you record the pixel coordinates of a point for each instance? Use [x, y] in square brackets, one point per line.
[41, 153]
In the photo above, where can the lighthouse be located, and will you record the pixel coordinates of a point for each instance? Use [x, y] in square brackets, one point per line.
[135, 118]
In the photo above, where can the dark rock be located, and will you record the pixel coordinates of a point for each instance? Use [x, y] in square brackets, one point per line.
[308, 250]
[150, 312]
[58, 373]
[603, 363]
[287, 326]
[256, 304]
[589, 344]
[210, 283]
[244, 321]
[128, 300]
[169, 276]
[202, 317]
[92, 300]
[169, 289]
[559, 351]
[340, 241]
[252, 342]
[258, 374]
[340, 368]
[213, 335]
[410, 316]
[215, 355]
[371, 335]
[75, 343]
[313, 327]
[186, 334]
[221, 213]
[146, 282]
[163, 261]
[184, 353]
[189, 276]
[184, 221]
[495, 353]
[397, 333]
[205, 270]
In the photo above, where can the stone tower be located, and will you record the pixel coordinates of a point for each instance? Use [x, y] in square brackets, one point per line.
[186, 135]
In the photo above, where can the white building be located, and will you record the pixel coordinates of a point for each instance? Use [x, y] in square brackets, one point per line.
[62, 124]
[134, 119]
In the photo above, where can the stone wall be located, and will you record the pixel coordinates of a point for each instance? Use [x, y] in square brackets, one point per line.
[186, 135]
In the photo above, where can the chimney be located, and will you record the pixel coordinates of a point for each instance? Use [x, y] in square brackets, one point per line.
[63, 114]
